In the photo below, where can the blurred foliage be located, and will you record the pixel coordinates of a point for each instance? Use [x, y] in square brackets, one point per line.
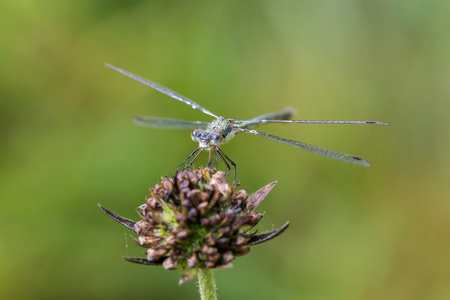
[68, 143]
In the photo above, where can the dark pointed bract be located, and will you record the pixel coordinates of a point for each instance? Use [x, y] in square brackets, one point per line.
[144, 261]
[259, 196]
[261, 238]
[125, 222]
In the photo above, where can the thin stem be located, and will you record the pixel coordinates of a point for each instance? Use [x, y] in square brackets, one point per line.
[207, 284]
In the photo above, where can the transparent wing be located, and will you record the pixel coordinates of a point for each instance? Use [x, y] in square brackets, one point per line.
[163, 90]
[255, 122]
[168, 123]
[285, 114]
[312, 148]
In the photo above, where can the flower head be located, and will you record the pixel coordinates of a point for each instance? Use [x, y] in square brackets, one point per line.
[196, 220]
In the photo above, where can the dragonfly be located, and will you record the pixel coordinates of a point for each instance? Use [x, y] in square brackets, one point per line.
[211, 135]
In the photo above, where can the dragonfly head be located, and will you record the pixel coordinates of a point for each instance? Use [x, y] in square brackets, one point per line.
[206, 139]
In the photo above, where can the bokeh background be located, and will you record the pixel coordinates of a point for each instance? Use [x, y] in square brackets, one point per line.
[68, 143]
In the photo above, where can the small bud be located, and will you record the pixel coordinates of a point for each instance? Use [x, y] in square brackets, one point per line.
[215, 220]
[155, 254]
[170, 241]
[147, 241]
[204, 222]
[167, 184]
[227, 257]
[202, 207]
[209, 250]
[223, 242]
[170, 264]
[192, 214]
[204, 196]
[240, 240]
[192, 261]
[182, 235]
[193, 196]
[181, 218]
[215, 257]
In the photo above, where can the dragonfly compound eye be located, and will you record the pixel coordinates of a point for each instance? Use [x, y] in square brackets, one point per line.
[216, 139]
[194, 135]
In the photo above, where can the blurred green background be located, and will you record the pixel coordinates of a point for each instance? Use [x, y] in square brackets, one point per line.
[68, 143]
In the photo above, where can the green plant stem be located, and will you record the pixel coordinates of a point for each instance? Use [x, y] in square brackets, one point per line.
[207, 284]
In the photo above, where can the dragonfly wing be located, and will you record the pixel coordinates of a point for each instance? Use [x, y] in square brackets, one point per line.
[168, 123]
[312, 148]
[285, 114]
[163, 90]
[256, 122]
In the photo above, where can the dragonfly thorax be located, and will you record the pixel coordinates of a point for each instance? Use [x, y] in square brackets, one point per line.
[217, 133]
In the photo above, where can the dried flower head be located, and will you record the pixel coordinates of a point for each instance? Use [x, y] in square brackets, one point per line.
[196, 220]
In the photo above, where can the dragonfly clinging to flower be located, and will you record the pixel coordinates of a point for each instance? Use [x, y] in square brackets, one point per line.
[210, 135]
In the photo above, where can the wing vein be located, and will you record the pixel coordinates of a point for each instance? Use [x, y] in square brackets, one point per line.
[163, 90]
[312, 148]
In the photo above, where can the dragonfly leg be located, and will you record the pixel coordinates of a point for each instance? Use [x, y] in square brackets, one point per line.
[217, 158]
[225, 159]
[187, 158]
[226, 162]
[209, 159]
[195, 158]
